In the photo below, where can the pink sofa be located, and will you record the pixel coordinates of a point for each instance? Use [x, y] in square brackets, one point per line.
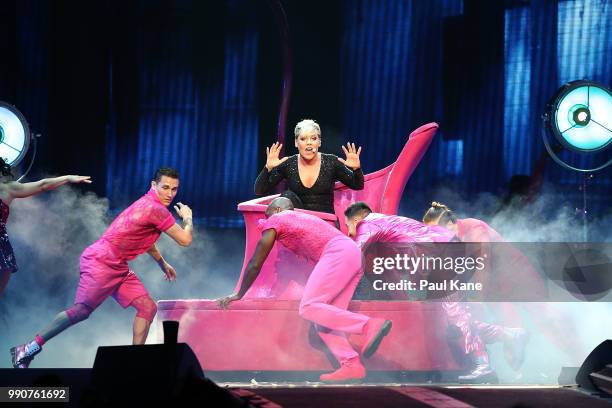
[264, 331]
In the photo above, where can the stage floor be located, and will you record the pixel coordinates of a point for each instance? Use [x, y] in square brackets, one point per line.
[304, 395]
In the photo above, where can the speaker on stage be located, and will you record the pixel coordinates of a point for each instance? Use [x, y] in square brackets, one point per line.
[154, 373]
[595, 374]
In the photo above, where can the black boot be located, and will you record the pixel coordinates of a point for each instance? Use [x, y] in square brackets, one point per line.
[482, 373]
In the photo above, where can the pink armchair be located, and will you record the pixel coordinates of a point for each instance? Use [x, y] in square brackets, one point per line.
[283, 276]
[263, 331]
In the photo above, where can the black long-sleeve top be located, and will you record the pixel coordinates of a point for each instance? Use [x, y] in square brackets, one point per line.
[319, 197]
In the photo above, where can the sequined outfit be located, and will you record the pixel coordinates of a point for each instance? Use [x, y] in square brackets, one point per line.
[320, 196]
[7, 257]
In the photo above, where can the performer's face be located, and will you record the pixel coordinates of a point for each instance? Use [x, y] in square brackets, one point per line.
[166, 189]
[308, 143]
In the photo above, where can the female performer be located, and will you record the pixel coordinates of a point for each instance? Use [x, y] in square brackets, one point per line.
[310, 174]
[9, 190]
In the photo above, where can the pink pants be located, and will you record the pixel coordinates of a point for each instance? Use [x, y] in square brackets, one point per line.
[103, 274]
[327, 294]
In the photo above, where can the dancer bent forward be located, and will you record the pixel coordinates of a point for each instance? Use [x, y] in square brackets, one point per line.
[104, 268]
[475, 334]
[367, 227]
[329, 288]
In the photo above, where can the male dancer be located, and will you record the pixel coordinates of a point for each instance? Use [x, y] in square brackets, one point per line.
[329, 288]
[104, 268]
[367, 227]
[476, 333]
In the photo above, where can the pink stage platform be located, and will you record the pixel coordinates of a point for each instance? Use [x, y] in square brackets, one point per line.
[263, 331]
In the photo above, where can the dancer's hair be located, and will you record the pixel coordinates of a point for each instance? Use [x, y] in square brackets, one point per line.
[359, 208]
[279, 202]
[5, 168]
[441, 213]
[305, 125]
[165, 171]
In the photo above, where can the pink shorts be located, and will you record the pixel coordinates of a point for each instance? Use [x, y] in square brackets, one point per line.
[104, 274]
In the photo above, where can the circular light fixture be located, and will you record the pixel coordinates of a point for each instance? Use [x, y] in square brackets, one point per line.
[580, 118]
[14, 134]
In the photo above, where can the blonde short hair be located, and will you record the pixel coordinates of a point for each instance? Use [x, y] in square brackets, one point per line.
[305, 125]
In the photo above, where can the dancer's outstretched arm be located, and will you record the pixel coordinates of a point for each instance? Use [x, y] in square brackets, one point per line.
[22, 190]
[167, 269]
[262, 250]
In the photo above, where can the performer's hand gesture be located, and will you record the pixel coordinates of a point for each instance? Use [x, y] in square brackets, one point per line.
[272, 153]
[169, 272]
[183, 211]
[352, 156]
[79, 179]
[225, 301]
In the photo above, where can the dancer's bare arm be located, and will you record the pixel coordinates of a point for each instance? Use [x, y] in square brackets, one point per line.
[262, 250]
[167, 269]
[182, 235]
[22, 190]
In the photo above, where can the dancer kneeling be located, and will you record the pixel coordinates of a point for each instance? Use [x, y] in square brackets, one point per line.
[329, 288]
[104, 268]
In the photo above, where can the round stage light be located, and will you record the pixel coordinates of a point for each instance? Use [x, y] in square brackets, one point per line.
[14, 134]
[580, 116]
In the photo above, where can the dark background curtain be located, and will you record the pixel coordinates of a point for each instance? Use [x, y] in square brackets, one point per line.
[120, 88]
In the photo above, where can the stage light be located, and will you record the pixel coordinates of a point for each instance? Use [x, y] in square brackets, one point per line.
[14, 134]
[580, 117]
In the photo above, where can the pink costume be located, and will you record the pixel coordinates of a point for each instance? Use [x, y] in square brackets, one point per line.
[103, 265]
[519, 270]
[333, 280]
[474, 333]
[393, 228]
[514, 272]
[383, 228]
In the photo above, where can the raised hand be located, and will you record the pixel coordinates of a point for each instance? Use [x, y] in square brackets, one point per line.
[352, 156]
[272, 153]
[183, 211]
[79, 179]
